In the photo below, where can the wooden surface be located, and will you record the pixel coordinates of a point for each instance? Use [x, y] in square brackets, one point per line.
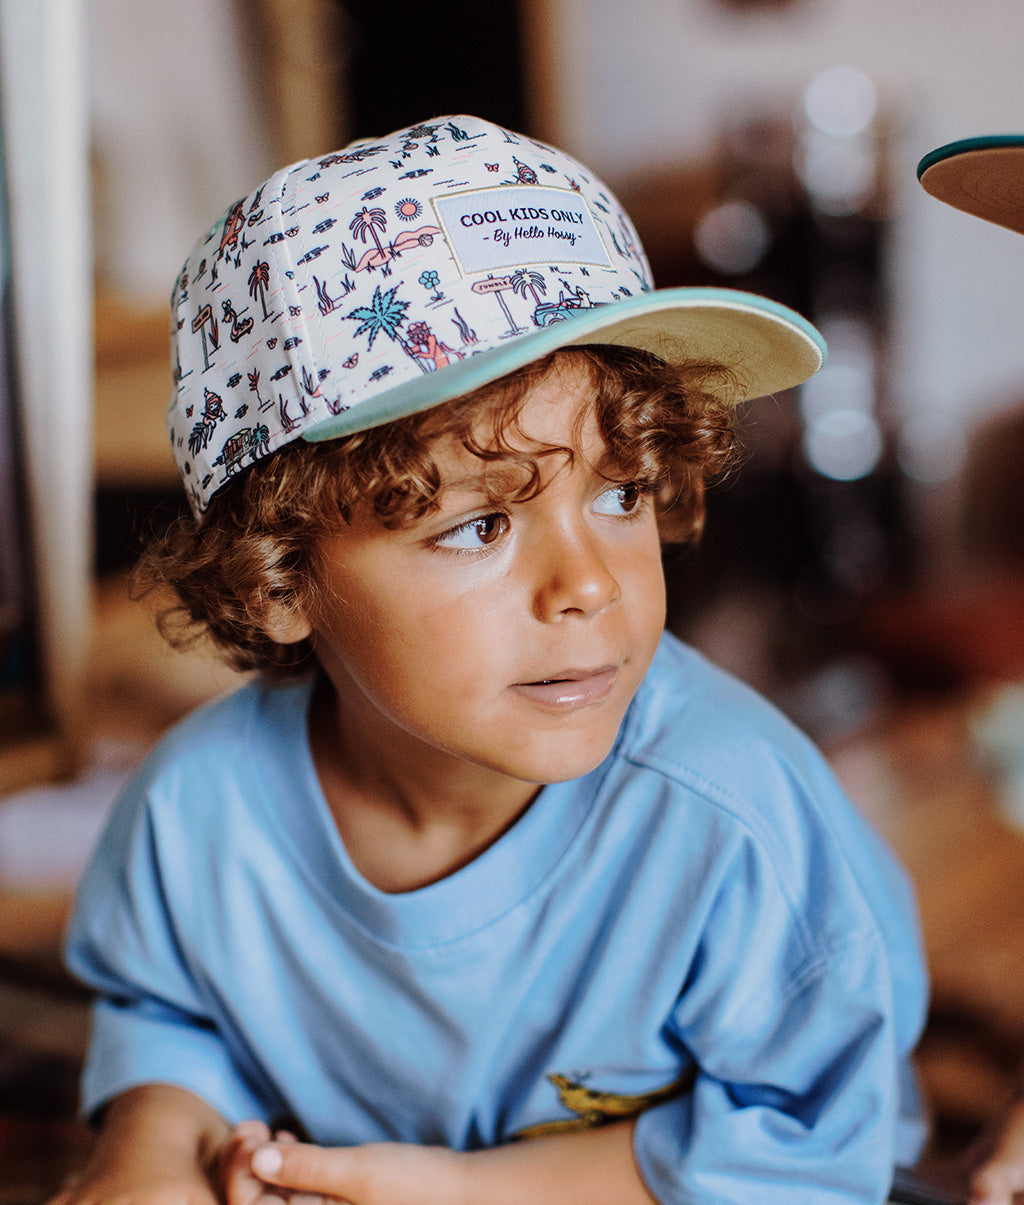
[921, 779]
[926, 787]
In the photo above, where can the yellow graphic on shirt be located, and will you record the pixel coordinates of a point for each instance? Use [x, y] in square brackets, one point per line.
[594, 1108]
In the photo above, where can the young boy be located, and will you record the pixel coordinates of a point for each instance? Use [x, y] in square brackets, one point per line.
[489, 890]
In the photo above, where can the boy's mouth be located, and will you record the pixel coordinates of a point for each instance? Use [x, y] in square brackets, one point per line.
[569, 689]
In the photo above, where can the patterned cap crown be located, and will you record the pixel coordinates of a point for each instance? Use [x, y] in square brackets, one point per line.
[352, 289]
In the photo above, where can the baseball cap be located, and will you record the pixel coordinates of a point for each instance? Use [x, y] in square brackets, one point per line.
[403, 271]
[982, 176]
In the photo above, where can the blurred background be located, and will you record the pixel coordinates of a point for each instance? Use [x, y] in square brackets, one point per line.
[865, 569]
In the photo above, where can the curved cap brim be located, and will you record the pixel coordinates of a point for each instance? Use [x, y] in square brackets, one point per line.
[767, 347]
[980, 176]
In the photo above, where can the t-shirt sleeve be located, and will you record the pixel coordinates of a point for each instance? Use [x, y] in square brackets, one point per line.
[152, 1021]
[798, 1067]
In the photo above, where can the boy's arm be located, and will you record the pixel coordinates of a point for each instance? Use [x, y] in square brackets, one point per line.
[157, 1146]
[596, 1166]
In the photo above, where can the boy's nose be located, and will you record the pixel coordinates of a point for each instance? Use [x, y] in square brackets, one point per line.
[574, 578]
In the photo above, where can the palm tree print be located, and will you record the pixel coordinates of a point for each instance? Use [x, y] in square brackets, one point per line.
[368, 222]
[254, 386]
[523, 280]
[385, 313]
[259, 278]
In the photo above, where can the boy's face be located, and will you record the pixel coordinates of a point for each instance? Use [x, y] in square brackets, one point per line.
[510, 635]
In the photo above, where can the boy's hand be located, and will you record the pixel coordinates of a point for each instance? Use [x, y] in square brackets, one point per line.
[596, 1166]
[153, 1188]
[236, 1181]
[234, 1176]
[1001, 1175]
[378, 1173]
[154, 1148]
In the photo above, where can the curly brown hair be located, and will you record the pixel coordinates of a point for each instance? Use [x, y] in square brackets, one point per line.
[668, 425]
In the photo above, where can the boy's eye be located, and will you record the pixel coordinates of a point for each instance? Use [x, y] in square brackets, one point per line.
[474, 533]
[621, 499]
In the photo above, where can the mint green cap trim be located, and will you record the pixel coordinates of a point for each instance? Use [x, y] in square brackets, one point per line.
[768, 345]
[986, 142]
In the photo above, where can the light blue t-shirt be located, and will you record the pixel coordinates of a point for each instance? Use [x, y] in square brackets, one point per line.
[703, 922]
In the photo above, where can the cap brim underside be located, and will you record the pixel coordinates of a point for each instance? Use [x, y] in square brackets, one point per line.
[980, 176]
[767, 347]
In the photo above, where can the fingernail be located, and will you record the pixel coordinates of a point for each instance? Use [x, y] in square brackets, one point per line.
[267, 1161]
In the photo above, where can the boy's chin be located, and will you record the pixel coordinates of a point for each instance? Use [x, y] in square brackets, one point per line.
[561, 765]
[567, 751]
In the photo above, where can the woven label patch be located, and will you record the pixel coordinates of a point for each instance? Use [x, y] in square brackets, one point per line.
[505, 227]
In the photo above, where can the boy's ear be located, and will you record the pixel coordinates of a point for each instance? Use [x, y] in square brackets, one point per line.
[286, 625]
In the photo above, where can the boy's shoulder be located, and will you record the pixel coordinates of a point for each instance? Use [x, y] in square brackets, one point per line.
[692, 717]
[702, 737]
[730, 765]
[230, 727]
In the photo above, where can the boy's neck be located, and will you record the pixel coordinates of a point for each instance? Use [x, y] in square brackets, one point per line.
[407, 816]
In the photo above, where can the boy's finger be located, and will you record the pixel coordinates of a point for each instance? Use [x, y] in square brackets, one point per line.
[238, 1185]
[251, 1129]
[1002, 1173]
[242, 1141]
[995, 1187]
[312, 1169]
